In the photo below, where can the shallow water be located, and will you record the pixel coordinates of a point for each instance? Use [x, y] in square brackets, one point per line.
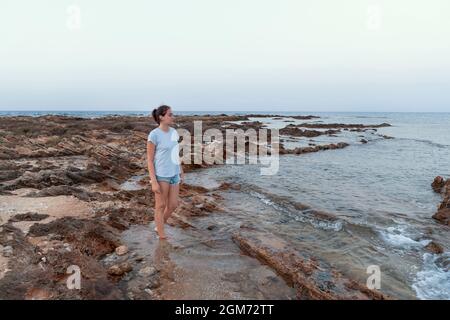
[380, 192]
[203, 264]
[134, 183]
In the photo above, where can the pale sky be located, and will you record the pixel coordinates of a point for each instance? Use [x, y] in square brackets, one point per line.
[285, 55]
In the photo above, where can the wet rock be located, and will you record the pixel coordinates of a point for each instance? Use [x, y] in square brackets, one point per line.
[206, 203]
[228, 185]
[89, 175]
[57, 237]
[149, 291]
[434, 247]
[120, 251]
[6, 175]
[37, 180]
[443, 216]
[302, 150]
[37, 294]
[30, 273]
[248, 225]
[443, 186]
[121, 217]
[111, 185]
[47, 178]
[114, 161]
[313, 278]
[110, 259]
[92, 238]
[6, 251]
[120, 269]
[352, 127]
[148, 271]
[438, 184]
[29, 216]
[61, 190]
[294, 130]
[252, 124]
[309, 117]
[154, 283]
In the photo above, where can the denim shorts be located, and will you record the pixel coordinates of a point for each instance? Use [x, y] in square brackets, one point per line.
[171, 180]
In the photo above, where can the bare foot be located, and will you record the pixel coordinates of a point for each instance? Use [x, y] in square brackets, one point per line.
[160, 237]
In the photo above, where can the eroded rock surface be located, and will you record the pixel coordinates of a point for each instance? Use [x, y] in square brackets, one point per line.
[442, 186]
[313, 278]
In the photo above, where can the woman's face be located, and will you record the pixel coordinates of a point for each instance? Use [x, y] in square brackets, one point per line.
[168, 117]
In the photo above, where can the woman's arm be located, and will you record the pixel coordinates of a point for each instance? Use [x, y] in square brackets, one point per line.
[151, 166]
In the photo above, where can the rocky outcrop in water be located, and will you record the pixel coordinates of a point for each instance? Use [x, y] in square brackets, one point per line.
[294, 130]
[442, 186]
[314, 279]
[438, 184]
[301, 150]
[434, 247]
[343, 125]
[275, 116]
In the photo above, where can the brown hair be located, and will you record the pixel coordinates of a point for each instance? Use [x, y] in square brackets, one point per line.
[160, 111]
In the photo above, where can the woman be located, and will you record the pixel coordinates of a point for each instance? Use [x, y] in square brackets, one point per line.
[165, 170]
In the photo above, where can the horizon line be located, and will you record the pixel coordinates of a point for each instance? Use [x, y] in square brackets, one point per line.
[225, 111]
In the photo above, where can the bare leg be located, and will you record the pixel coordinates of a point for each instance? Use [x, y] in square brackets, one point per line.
[161, 200]
[172, 202]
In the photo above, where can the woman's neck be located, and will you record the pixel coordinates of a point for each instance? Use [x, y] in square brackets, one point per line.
[164, 127]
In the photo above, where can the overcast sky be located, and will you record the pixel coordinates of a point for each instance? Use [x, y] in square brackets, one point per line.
[285, 55]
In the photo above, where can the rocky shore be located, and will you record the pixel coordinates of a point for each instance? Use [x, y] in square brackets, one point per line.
[72, 189]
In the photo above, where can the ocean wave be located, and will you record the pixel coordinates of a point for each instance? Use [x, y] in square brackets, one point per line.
[327, 225]
[398, 237]
[433, 281]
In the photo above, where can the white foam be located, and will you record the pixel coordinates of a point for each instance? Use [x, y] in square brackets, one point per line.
[432, 282]
[398, 237]
[328, 225]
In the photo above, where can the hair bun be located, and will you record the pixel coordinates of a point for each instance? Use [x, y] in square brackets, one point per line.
[160, 111]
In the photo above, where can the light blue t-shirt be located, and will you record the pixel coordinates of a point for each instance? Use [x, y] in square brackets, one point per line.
[167, 160]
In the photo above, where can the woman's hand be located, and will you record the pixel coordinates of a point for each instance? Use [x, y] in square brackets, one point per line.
[155, 187]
